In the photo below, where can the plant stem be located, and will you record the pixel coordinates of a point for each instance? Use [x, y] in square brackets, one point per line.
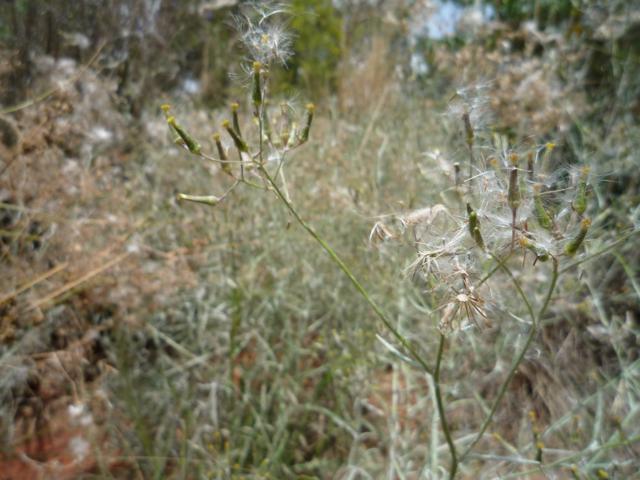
[345, 269]
[443, 418]
[532, 333]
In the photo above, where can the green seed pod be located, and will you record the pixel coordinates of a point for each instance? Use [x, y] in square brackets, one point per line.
[543, 217]
[304, 136]
[236, 122]
[539, 251]
[237, 140]
[580, 202]
[256, 95]
[474, 227]
[204, 199]
[574, 244]
[477, 236]
[222, 154]
[189, 141]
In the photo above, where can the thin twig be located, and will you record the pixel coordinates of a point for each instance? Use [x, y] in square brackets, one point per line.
[443, 418]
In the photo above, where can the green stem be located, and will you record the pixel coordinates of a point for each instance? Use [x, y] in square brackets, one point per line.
[345, 269]
[532, 333]
[443, 418]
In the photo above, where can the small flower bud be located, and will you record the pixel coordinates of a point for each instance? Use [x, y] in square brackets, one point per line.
[165, 107]
[474, 227]
[513, 194]
[304, 136]
[204, 199]
[530, 161]
[237, 140]
[236, 122]
[572, 247]
[222, 154]
[542, 216]
[189, 141]
[580, 202]
[539, 251]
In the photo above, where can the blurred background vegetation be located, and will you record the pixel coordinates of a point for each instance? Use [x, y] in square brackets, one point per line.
[141, 338]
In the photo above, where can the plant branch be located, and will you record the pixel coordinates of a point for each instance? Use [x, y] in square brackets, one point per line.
[514, 367]
[345, 269]
[441, 413]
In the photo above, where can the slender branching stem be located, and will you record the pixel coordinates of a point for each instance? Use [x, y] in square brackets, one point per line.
[347, 271]
[535, 319]
[441, 413]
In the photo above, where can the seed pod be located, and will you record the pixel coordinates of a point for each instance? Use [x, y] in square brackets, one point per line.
[189, 141]
[236, 122]
[222, 154]
[256, 95]
[237, 140]
[543, 217]
[539, 251]
[304, 135]
[468, 129]
[474, 227]
[204, 199]
[513, 194]
[574, 244]
[580, 202]
[530, 161]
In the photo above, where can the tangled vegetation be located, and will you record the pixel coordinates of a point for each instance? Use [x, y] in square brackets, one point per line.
[429, 272]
